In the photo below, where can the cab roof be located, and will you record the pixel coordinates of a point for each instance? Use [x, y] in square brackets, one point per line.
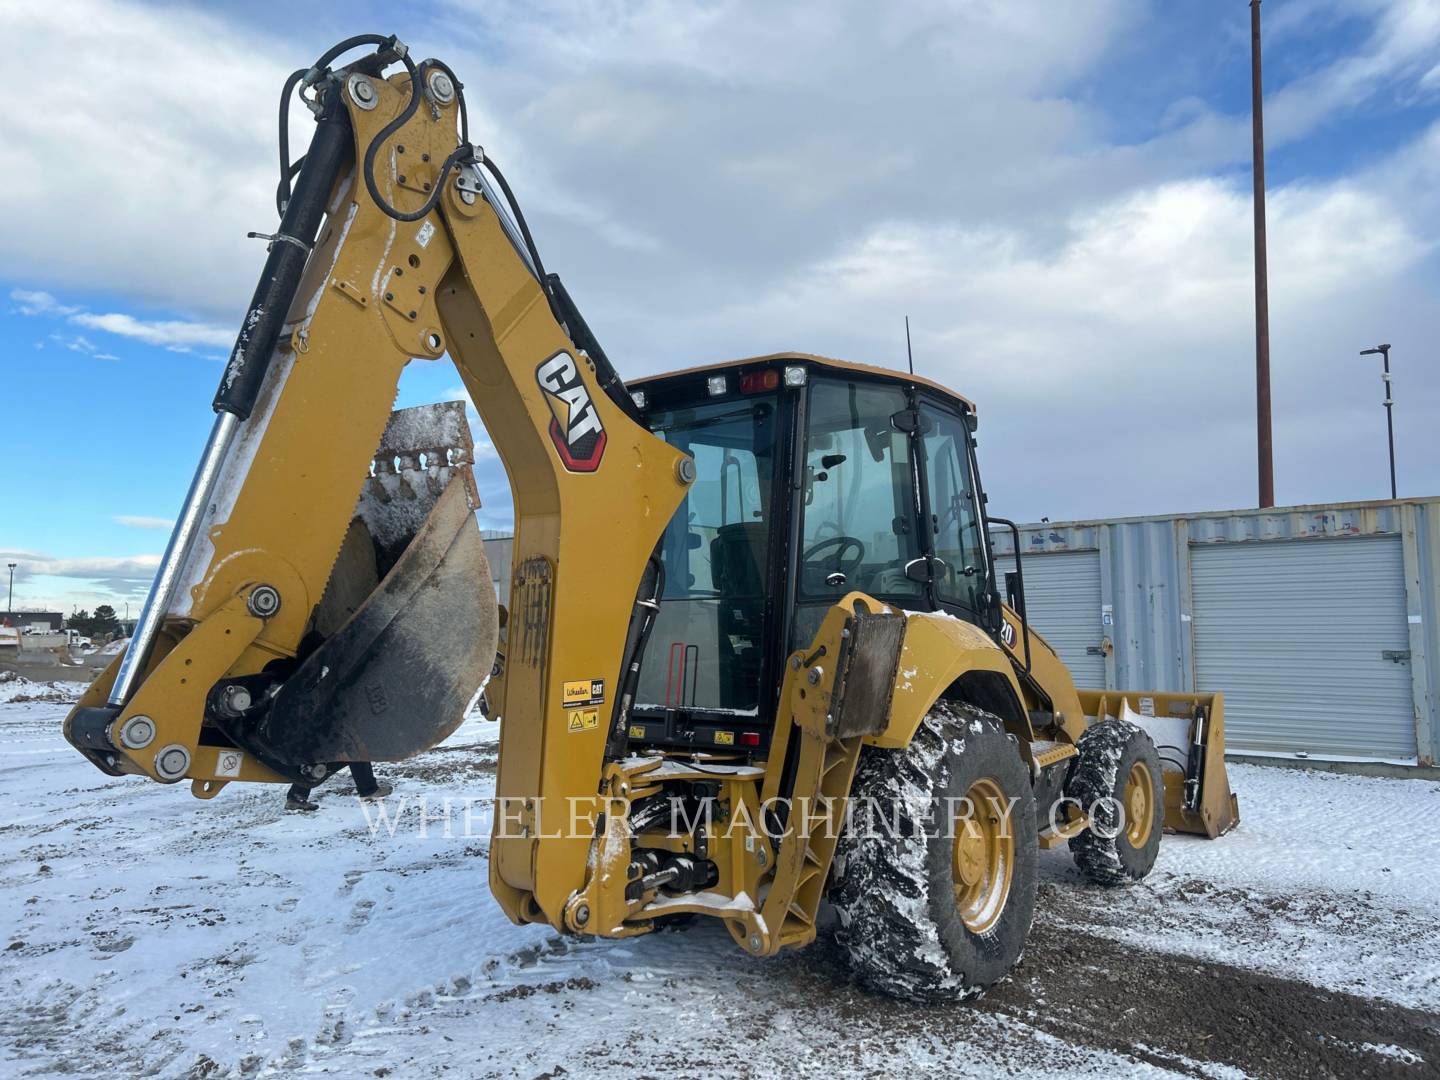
[808, 358]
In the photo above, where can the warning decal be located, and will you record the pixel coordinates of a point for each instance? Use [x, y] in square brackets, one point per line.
[584, 692]
[583, 719]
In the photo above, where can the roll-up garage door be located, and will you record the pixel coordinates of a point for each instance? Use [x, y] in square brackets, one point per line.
[1308, 641]
[1062, 601]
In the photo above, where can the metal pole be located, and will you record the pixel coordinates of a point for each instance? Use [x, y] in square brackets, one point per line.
[1390, 419]
[10, 604]
[1389, 403]
[1263, 442]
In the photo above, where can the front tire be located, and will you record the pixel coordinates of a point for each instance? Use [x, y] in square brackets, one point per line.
[931, 911]
[1117, 780]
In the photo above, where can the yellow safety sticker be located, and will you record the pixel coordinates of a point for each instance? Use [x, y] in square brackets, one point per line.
[637, 731]
[725, 738]
[584, 692]
[584, 719]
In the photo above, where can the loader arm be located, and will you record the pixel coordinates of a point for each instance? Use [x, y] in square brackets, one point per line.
[393, 247]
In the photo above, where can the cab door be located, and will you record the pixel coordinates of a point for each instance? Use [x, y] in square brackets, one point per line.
[957, 577]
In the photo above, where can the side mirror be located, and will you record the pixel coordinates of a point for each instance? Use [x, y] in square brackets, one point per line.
[693, 541]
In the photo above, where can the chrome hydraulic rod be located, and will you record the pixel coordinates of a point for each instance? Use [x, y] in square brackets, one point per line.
[177, 553]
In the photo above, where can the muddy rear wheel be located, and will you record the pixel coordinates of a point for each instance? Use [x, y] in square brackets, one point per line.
[939, 909]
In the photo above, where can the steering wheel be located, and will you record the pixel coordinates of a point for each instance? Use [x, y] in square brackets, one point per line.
[841, 545]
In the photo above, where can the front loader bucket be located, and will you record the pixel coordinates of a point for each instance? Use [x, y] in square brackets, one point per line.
[409, 615]
[1189, 732]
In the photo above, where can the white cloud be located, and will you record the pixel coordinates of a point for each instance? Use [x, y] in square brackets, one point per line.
[138, 521]
[177, 335]
[179, 147]
[95, 567]
[75, 343]
[170, 333]
[35, 302]
[1393, 63]
[1397, 57]
[1103, 366]
[47, 583]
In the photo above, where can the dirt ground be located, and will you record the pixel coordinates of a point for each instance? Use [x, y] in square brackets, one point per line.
[1176, 1011]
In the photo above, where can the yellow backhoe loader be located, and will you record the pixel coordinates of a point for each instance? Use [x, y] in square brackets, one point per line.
[757, 651]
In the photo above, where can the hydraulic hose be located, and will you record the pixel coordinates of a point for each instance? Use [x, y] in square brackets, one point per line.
[462, 153]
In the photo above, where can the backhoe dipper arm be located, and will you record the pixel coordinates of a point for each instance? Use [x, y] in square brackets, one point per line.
[230, 672]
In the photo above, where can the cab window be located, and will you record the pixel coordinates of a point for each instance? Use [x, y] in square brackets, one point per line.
[705, 648]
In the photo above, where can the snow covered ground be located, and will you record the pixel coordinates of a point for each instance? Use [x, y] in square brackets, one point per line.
[146, 932]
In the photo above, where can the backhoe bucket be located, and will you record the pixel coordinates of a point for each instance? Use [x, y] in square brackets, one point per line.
[409, 615]
[1189, 732]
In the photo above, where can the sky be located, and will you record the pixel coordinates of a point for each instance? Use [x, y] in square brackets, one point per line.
[1057, 194]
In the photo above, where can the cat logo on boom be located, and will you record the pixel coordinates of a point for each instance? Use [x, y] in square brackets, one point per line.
[575, 426]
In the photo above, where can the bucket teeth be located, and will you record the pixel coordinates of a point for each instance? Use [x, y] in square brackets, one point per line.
[422, 451]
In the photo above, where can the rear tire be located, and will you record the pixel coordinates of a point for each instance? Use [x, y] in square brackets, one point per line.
[928, 912]
[1116, 779]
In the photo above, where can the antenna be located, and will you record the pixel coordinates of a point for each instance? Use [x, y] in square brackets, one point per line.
[909, 355]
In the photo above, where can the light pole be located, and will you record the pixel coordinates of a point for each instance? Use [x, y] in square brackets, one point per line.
[10, 604]
[1389, 403]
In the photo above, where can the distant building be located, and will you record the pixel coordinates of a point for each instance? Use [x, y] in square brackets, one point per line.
[498, 547]
[51, 620]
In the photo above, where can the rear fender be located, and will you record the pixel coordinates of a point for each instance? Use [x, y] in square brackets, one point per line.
[939, 656]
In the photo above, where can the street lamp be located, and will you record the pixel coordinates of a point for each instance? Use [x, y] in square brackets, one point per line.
[10, 604]
[1389, 403]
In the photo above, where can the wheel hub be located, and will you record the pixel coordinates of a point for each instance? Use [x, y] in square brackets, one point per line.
[1139, 802]
[983, 860]
[970, 859]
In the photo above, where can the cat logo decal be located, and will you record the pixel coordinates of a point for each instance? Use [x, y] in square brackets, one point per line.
[575, 426]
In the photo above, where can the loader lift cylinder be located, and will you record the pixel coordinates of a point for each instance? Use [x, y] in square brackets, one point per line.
[331, 148]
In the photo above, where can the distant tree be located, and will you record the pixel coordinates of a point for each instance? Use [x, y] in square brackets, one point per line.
[105, 620]
[82, 622]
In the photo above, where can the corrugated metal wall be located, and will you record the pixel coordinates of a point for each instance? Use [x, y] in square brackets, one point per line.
[1148, 595]
[1306, 639]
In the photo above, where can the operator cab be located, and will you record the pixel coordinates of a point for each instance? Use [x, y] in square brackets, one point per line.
[814, 478]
